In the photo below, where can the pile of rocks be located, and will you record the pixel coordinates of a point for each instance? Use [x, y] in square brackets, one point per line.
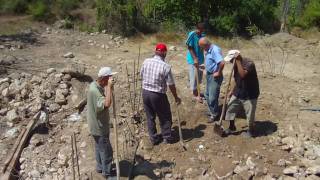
[304, 149]
[23, 94]
[42, 160]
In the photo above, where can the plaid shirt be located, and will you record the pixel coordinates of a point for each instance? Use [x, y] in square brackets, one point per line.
[156, 75]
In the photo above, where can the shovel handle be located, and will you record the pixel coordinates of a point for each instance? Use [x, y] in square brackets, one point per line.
[115, 134]
[226, 96]
[197, 80]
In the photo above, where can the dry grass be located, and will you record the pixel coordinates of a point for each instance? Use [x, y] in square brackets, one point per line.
[313, 33]
[14, 24]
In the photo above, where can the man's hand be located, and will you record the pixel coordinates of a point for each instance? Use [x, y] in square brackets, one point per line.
[216, 74]
[178, 100]
[111, 82]
[202, 67]
[196, 63]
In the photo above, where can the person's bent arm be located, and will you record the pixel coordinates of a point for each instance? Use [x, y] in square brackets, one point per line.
[232, 87]
[242, 72]
[194, 56]
[220, 69]
[108, 94]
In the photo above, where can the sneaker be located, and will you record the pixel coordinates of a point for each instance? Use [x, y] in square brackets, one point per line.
[212, 119]
[99, 171]
[167, 141]
[230, 130]
[247, 134]
[155, 142]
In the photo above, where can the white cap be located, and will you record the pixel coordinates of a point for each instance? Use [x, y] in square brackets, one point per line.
[231, 54]
[106, 71]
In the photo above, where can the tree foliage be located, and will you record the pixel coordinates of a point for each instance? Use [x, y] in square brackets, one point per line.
[222, 17]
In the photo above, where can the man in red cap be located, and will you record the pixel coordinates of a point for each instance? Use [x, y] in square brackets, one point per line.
[156, 76]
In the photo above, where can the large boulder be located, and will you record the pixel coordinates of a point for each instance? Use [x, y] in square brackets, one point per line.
[54, 107]
[36, 80]
[74, 70]
[68, 55]
[60, 97]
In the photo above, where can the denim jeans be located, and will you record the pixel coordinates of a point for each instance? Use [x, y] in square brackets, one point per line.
[103, 151]
[212, 93]
[192, 77]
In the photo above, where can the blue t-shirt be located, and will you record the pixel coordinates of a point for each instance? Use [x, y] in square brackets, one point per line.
[193, 41]
[213, 58]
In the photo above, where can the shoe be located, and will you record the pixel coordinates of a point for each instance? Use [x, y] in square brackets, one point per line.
[198, 99]
[155, 142]
[99, 171]
[112, 175]
[167, 141]
[212, 119]
[247, 134]
[230, 130]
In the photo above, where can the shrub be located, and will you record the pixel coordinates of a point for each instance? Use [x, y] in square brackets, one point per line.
[13, 6]
[224, 25]
[63, 7]
[173, 26]
[311, 15]
[39, 10]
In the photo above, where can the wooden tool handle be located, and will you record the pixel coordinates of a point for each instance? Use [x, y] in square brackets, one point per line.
[197, 80]
[115, 134]
[226, 96]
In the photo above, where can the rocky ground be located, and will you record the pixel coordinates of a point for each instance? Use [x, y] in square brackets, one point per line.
[47, 69]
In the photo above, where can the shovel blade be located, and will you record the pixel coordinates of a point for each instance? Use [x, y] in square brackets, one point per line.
[218, 129]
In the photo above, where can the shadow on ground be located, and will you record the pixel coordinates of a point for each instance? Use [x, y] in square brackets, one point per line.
[189, 134]
[26, 38]
[265, 128]
[262, 128]
[142, 167]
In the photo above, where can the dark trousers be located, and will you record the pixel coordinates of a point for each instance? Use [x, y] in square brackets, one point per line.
[103, 151]
[157, 104]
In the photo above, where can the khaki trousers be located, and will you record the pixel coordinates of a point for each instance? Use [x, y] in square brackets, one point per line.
[249, 105]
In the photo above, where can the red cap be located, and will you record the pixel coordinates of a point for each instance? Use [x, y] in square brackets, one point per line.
[161, 47]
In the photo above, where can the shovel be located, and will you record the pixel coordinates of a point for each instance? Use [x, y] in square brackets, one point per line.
[180, 131]
[218, 128]
[116, 134]
[197, 81]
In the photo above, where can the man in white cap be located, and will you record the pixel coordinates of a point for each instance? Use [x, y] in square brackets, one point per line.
[98, 103]
[245, 92]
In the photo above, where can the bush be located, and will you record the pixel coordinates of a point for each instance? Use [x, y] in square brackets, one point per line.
[13, 6]
[224, 25]
[311, 15]
[173, 26]
[63, 7]
[85, 27]
[39, 10]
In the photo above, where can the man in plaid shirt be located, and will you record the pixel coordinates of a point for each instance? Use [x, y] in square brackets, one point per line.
[156, 76]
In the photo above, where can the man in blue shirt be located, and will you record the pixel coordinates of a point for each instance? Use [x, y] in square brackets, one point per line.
[195, 58]
[214, 65]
